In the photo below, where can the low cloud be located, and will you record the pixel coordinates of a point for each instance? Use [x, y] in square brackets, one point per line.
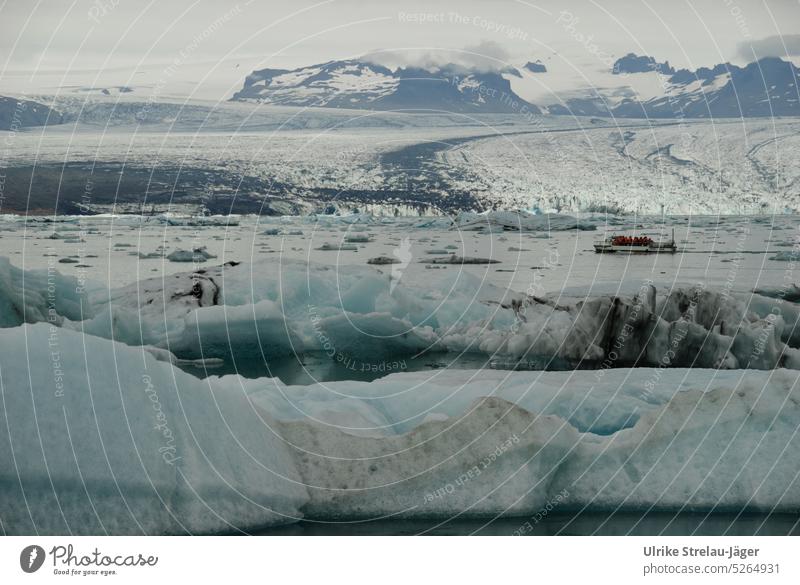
[774, 46]
[485, 56]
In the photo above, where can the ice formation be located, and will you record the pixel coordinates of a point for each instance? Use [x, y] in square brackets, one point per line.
[39, 295]
[107, 439]
[454, 259]
[519, 220]
[196, 255]
[106, 434]
[360, 312]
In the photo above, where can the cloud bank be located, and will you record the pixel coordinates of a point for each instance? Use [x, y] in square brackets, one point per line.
[774, 46]
[484, 56]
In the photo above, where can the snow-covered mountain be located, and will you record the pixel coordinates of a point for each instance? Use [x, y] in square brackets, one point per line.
[639, 87]
[635, 87]
[633, 63]
[363, 85]
[768, 87]
[337, 84]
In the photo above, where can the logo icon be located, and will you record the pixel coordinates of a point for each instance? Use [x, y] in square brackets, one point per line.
[403, 255]
[31, 558]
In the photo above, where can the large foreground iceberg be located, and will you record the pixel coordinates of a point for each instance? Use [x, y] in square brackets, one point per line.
[97, 436]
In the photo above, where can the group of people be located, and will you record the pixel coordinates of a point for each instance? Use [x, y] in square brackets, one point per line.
[631, 241]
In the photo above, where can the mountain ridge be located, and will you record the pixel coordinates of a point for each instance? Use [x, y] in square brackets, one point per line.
[767, 87]
[361, 84]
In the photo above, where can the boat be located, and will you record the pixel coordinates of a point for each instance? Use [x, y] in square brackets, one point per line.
[636, 245]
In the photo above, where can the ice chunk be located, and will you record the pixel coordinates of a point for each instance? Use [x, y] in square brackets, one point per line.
[357, 239]
[95, 453]
[257, 331]
[383, 260]
[40, 295]
[104, 438]
[453, 259]
[196, 255]
[337, 247]
[786, 256]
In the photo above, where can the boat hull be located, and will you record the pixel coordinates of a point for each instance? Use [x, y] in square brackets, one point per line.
[612, 249]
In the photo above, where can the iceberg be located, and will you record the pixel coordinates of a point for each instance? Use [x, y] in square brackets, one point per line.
[196, 255]
[107, 439]
[31, 296]
[786, 256]
[361, 312]
[102, 438]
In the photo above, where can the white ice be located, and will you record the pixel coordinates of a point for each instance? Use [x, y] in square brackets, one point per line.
[105, 438]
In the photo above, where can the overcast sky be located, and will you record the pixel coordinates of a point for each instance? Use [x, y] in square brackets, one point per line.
[48, 44]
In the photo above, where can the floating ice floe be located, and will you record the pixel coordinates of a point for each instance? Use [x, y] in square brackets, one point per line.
[383, 260]
[434, 222]
[519, 220]
[454, 259]
[348, 219]
[357, 239]
[327, 247]
[786, 256]
[199, 221]
[195, 255]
